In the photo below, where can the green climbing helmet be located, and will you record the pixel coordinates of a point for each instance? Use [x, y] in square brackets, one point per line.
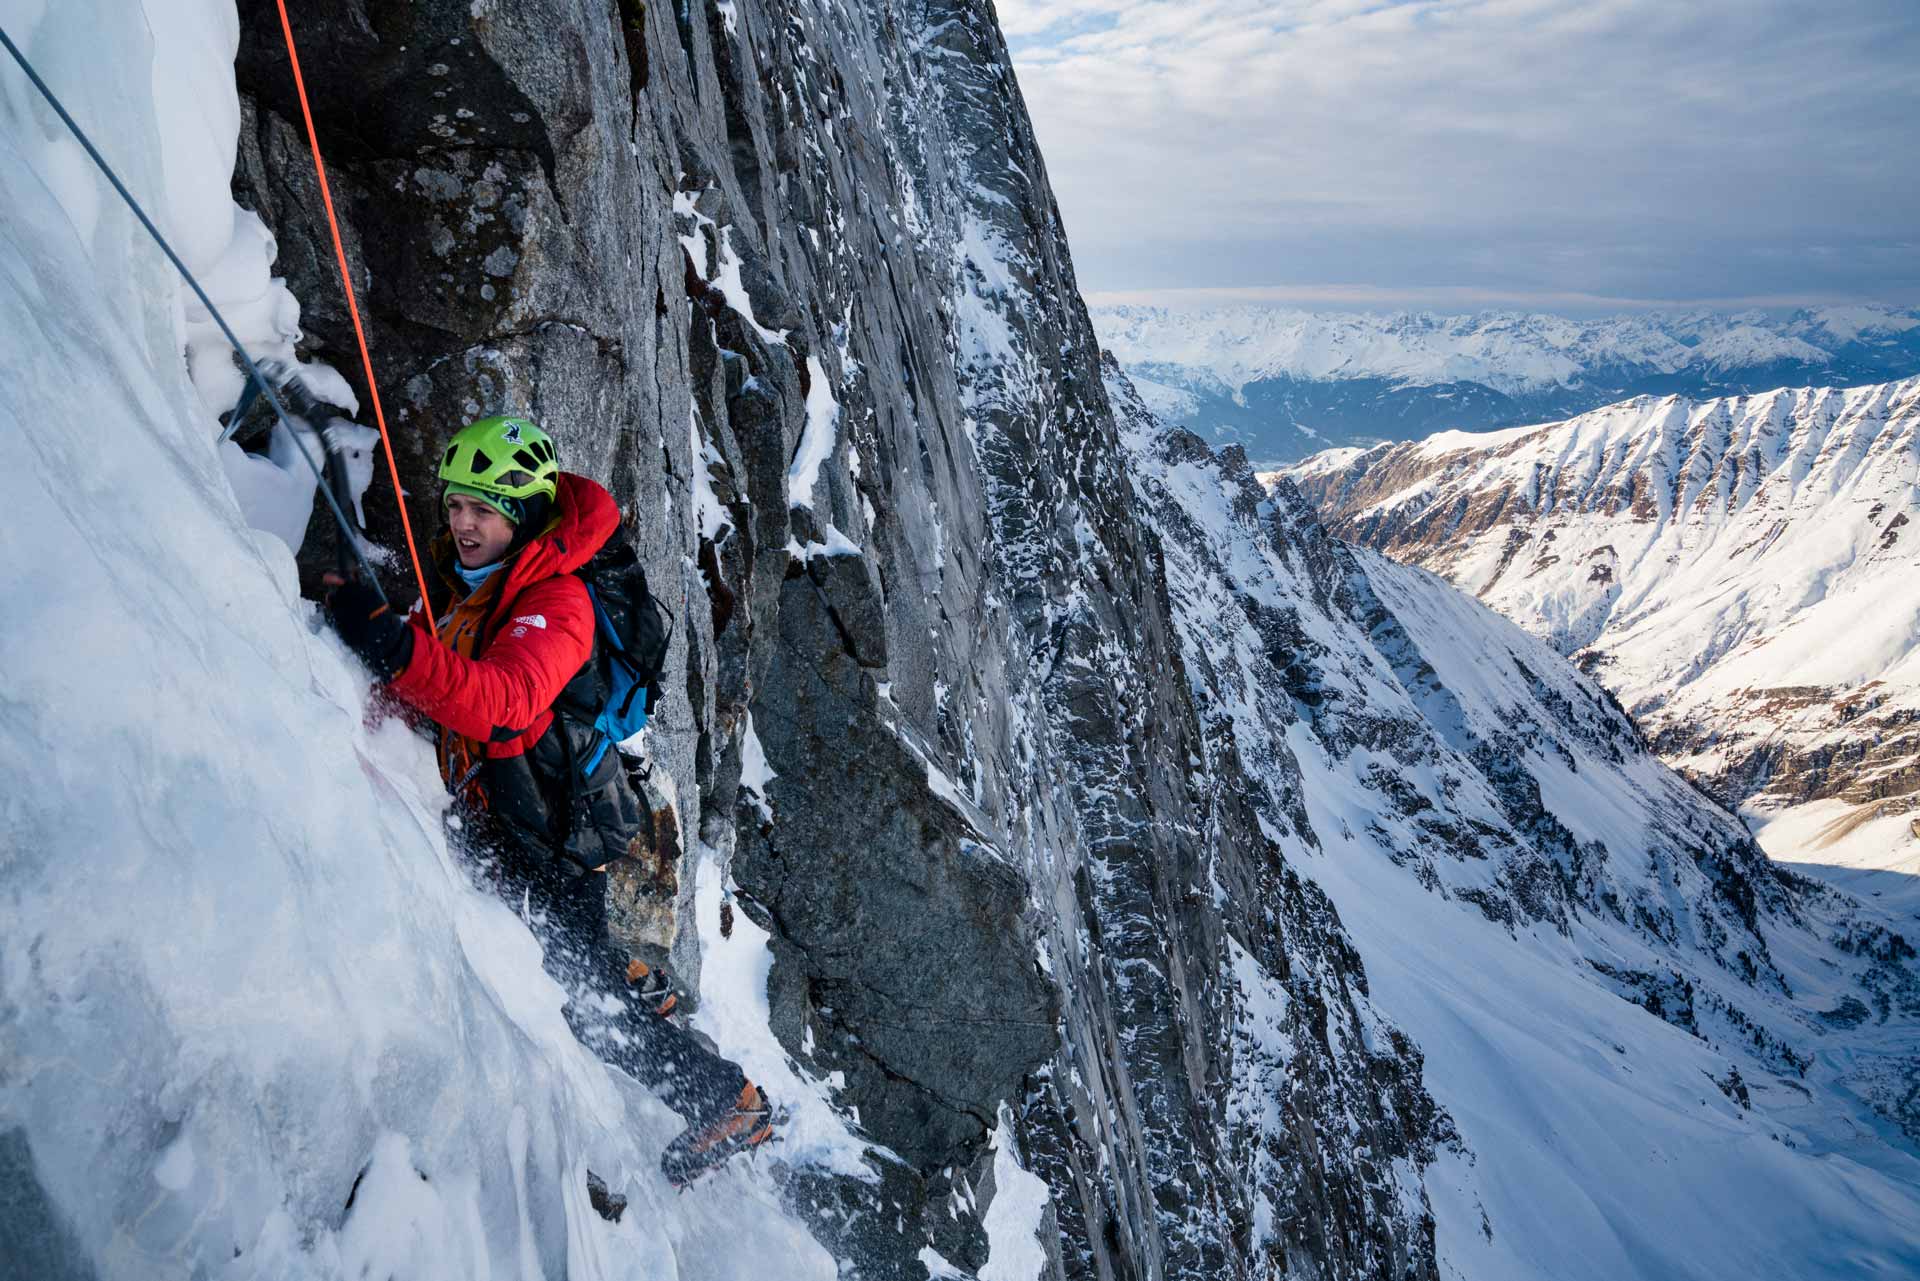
[503, 461]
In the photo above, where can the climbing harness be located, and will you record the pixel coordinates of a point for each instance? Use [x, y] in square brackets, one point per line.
[353, 306]
[254, 375]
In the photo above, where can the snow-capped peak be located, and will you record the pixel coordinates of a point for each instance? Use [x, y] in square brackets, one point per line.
[1738, 571]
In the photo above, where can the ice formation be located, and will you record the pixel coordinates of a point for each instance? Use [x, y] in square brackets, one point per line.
[242, 972]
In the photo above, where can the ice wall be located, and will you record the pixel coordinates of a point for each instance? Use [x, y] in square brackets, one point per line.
[160, 84]
[240, 969]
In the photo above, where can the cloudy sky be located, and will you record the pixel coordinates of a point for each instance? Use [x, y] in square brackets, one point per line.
[1573, 155]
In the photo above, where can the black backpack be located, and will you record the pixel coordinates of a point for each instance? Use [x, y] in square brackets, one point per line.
[620, 685]
[607, 702]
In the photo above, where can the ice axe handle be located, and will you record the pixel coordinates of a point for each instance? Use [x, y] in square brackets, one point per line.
[301, 401]
[336, 469]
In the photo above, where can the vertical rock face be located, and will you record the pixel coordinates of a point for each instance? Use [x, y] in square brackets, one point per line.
[1515, 864]
[790, 280]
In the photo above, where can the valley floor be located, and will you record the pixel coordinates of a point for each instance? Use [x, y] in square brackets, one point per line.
[1876, 861]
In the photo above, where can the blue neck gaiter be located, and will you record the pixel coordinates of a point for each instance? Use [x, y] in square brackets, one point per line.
[474, 577]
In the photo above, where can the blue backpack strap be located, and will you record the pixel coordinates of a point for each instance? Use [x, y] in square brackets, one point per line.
[597, 755]
[619, 719]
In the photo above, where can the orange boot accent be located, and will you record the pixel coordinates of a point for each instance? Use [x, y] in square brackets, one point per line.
[747, 1126]
[654, 987]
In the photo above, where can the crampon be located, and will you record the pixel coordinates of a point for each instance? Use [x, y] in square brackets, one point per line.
[749, 1125]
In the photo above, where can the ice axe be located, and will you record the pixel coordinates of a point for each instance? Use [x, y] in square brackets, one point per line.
[348, 559]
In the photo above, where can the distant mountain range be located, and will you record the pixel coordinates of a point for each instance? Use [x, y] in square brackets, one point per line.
[1738, 571]
[1285, 384]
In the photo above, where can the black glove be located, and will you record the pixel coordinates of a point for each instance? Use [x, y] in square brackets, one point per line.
[381, 638]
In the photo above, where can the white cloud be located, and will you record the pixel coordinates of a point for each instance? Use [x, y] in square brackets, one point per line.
[1026, 18]
[1591, 146]
[1361, 297]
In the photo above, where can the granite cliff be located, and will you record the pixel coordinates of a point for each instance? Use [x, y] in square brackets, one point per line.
[789, 278]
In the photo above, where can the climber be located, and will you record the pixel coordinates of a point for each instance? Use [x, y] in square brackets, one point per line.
[515, 627]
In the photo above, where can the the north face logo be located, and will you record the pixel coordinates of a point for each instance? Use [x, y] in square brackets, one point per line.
[532, 620]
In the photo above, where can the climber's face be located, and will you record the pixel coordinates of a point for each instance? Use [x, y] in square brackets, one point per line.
[481, 535]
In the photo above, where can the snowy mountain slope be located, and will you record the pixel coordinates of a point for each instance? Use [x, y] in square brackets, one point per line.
[1289, 383]
[1737, 571]
[1629, 1018]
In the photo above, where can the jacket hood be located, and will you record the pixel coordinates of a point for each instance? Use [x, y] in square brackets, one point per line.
[584, 517]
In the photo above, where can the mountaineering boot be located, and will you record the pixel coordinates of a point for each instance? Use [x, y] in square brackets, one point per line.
[702, 1147]
[651, 986]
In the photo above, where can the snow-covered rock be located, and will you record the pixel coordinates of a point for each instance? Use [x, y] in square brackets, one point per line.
[1737, 571]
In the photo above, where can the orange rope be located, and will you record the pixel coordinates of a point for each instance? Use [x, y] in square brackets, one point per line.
[353, 307]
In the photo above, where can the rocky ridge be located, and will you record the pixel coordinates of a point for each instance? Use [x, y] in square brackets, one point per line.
[1404, 743]
[1286, 383]
[1733, 570]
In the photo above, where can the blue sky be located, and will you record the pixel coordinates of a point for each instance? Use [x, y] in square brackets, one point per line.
[1570, 155]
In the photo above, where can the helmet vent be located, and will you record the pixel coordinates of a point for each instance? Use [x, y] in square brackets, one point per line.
[526, 460]
[481, 463]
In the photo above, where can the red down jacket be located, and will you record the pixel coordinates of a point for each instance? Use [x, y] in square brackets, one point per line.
[507, 650]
